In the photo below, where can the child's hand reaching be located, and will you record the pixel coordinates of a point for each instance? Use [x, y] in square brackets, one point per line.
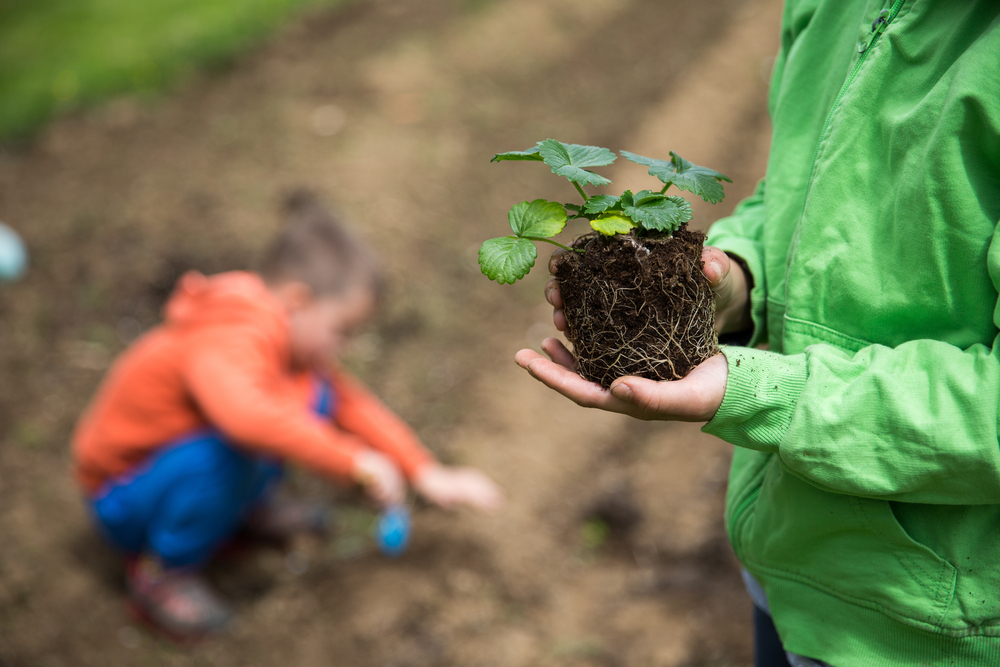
[380, 477]
[450, 487]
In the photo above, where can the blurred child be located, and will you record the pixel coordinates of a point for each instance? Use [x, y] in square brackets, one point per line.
[185, 439]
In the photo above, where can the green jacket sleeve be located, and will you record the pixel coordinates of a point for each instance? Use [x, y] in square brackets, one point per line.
[915, 423]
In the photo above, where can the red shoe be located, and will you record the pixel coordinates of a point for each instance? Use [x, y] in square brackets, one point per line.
[176, 601]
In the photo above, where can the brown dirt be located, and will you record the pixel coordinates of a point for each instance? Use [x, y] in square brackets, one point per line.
[637, 305]
[611, 550]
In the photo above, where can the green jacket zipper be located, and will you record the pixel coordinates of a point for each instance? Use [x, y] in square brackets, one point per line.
[879, 26]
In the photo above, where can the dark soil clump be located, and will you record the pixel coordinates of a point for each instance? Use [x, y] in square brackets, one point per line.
[638, 305]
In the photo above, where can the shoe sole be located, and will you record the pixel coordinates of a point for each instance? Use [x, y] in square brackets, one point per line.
[181, 638]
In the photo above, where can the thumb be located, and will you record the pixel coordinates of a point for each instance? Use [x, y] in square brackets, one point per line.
[717, 267]
[696, 397]
[642, 394]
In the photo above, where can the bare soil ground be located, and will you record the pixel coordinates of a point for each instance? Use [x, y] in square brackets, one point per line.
[390, 111]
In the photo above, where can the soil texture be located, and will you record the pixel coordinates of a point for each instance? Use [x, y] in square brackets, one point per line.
[638, 305]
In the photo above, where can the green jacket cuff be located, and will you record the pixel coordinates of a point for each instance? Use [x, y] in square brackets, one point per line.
[761, 392]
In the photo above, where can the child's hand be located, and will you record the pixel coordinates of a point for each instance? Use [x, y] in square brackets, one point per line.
[696, 397]
[732, 291]
[451, 487]
[552, 294]
[380, 477]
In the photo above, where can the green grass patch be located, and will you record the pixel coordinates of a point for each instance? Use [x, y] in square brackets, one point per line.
[57, 55]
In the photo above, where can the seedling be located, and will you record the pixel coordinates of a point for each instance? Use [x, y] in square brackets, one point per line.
[636, 299]
[509, 258]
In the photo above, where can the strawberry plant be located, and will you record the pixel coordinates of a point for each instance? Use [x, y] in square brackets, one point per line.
[637, 301]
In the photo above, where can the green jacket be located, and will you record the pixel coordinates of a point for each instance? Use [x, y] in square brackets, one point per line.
[865, 485]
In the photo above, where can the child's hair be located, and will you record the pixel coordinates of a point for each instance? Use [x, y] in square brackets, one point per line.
[316, 249]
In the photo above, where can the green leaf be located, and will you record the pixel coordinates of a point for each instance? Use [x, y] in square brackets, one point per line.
[572, 160]
[507, 258]
[539, 218]
[701, 181]
[600, 203]
[530, 154]
[610, 224]
[645, 196]
[660, 213]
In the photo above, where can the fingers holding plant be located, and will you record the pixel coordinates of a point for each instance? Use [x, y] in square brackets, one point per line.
[732, 290]
[554, 297]
[696, 397]
[558, 353]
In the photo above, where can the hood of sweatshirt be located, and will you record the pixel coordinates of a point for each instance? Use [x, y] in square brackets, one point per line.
[236, 297]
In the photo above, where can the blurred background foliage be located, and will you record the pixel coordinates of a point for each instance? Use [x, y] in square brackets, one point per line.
[58, 55]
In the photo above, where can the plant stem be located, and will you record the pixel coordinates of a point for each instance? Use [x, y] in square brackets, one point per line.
[541, 238]
[582, 193]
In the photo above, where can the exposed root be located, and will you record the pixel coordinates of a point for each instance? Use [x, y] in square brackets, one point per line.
[638, 306]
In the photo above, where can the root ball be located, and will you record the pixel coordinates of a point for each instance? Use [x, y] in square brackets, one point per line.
[638, 305]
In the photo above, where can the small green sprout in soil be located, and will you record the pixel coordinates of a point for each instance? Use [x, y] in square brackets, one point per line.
[509, 258]
[636, 298]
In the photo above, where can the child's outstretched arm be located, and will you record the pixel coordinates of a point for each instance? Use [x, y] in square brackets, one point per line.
[365, 416]
[231, 377]
[361, 414]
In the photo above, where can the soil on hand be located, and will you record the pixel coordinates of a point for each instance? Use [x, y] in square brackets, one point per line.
[638, 305]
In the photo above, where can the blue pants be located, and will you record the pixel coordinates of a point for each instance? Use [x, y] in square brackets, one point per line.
[189, 497]
[185, 501]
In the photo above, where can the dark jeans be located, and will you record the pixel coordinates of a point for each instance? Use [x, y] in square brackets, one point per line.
[767, 648]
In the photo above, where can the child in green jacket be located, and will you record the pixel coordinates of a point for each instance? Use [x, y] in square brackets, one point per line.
[864, 495]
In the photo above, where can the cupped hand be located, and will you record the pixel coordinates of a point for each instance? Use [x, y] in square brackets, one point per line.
[450, 487]
[725, 276]
[380, 477]
[696, 397]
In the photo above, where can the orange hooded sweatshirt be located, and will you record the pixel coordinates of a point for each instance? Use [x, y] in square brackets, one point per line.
[221, 358]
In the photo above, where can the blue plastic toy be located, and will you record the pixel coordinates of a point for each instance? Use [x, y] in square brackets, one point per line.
[392, 530]
[13, 258]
